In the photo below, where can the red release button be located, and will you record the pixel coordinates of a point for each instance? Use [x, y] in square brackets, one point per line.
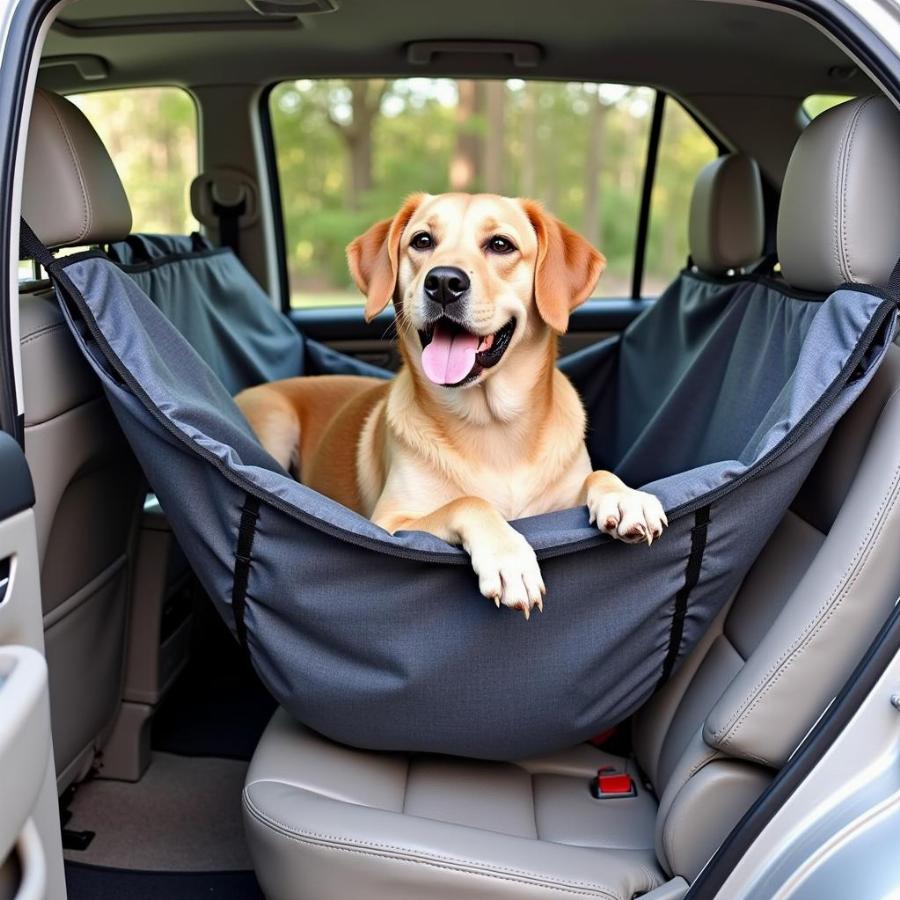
[620, 783]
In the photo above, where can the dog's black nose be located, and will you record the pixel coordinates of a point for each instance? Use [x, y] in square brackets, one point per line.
[446, 284]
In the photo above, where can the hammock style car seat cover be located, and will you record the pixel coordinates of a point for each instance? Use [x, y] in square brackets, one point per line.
[718, 399]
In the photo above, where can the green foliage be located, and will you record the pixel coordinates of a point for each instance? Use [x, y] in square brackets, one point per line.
[816, 104]
[547, 128]
[579, 148]
[151, 135]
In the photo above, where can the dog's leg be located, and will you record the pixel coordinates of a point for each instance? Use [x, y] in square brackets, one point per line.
[273, 417]
[622, 512]
[503, 560]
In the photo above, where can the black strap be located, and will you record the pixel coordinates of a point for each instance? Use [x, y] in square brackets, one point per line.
[893, 284]
[242, 561]
[229, 218]
[32, 247]
[691, 577]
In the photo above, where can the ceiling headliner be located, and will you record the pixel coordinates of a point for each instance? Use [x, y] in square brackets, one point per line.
[686, 46]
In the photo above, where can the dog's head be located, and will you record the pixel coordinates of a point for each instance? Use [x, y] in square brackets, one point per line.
[473, 278]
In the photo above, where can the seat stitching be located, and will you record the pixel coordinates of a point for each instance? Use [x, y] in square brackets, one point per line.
[725, 735]
[815, 623]
[86, 204]
[41, 332]
[433, 859]
[846, 152]
[853, 564]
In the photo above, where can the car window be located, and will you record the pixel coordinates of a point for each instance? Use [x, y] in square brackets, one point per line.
[151, 135]
[684, 149]
[815, 104]
[348, 151]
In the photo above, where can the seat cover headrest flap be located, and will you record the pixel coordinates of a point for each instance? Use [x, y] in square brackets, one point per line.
[727, 217]
[839, 219]
[71, 193]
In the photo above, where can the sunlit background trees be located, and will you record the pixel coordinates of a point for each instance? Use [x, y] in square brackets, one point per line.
[349, 151]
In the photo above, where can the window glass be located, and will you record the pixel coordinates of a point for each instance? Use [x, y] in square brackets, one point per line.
[684, 149]
[151, 135]
[348, 151]
[816, 104]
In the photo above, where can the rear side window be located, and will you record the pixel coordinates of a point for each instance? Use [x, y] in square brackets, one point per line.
[151, 135]
[348, 151]
[815, 104]
[684, 149]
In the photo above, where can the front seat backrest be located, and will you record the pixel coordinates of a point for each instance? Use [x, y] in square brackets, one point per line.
[712, 738]
[87, 484]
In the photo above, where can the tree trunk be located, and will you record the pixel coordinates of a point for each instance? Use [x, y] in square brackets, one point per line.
[493, 158]
[593, 164]
[365, 104]
[528, 184]
[464, 169]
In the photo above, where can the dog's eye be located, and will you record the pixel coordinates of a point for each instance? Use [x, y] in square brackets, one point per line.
[499, 244]
[422, 241]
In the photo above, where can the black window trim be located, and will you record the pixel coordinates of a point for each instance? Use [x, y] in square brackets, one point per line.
[273, 177]
[643, 222]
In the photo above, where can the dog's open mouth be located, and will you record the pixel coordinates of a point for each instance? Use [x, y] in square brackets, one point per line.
[453, 356]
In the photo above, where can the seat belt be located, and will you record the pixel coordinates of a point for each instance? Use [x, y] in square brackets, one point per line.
[229, 216]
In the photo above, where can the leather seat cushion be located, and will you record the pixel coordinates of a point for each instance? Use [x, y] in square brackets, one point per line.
[413, 825]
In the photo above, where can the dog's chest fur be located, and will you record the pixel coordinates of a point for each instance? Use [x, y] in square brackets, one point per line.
[525, 467]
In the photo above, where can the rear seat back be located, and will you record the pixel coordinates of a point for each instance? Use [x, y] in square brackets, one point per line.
[216, 304]
[222, 311]
[711, 739]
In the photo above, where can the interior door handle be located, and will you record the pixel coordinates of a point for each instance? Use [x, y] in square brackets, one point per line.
[24, 739]
[5, 576]
[33, 883]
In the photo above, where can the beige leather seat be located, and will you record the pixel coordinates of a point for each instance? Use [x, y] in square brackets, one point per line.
[327, 822]
[87, 484]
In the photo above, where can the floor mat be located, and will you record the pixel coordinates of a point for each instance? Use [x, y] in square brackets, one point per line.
[218, 706]
[184, 815]
[98, 883]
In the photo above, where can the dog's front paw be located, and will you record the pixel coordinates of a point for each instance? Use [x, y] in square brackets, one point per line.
[629, 515]
[508, 573]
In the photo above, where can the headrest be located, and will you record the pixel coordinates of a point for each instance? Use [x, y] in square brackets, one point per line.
[727, 227]
[71, 193]
[839, 219]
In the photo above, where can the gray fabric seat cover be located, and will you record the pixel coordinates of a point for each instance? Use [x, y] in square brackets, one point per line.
[718, 399]
[221, 310]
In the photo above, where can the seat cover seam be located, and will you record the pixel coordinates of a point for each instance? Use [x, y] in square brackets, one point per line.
[434, 859]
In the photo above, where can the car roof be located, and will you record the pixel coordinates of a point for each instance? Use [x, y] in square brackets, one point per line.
[737, 67]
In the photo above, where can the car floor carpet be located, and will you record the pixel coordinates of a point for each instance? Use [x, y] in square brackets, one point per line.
[184, 815]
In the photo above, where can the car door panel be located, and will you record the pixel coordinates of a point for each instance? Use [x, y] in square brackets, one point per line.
[30, 846]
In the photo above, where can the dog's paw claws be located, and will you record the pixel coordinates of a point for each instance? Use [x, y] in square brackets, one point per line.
[631, 516]
[509, 574]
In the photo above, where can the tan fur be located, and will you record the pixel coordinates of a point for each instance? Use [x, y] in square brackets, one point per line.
[461, 462]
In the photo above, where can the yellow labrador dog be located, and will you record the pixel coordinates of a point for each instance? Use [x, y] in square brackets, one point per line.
[479, 426]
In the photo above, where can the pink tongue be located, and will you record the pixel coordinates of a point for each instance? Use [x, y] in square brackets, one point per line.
[450, 356]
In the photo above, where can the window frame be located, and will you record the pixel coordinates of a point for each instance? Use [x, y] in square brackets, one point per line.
[645, 211]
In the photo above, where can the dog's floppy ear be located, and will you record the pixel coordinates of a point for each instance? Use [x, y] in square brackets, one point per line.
[373, 257]
[567, 267]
